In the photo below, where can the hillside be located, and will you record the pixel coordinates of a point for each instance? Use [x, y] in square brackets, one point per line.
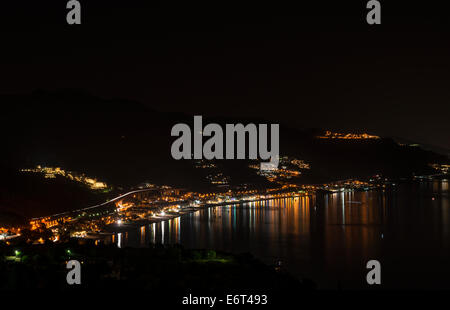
[126, 143]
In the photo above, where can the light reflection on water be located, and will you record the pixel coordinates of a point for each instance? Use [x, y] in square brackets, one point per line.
[328, 238]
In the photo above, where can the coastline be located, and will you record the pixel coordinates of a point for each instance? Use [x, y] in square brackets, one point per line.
[118, 228]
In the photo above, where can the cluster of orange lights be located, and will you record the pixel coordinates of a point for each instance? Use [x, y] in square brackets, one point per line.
[213, 197]
[347, 136]
[48, 222]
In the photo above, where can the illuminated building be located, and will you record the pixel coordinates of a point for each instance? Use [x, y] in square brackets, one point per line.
[347, 136]
[51, 173]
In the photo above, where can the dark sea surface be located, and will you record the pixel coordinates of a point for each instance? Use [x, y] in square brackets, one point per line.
[329, 238]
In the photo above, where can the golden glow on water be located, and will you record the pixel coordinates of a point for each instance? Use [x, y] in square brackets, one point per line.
[321, 237]
[142, 233]
[445, 185]
[353, 224]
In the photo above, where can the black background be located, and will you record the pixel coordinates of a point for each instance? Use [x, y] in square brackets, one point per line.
[306, 64]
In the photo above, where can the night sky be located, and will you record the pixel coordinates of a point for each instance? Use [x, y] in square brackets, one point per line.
[306, 65]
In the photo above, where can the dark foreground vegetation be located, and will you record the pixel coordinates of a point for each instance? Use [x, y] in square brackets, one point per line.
[168, 268]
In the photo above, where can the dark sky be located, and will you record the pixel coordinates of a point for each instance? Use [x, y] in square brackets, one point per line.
[305, 65]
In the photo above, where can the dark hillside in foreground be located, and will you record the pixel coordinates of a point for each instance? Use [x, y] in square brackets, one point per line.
[170, 267]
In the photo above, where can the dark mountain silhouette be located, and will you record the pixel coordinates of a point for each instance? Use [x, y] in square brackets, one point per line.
[125, 143]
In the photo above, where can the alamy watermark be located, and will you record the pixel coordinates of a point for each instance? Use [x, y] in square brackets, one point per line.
[74, 275]
[213, 148]
[374, 275]
[374, 15]
[74, 15]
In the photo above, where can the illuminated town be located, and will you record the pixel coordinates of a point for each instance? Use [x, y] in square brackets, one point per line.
[347, 136]
[441, 168]
[289, 168]
[150, 203]
[219, 153]
[52, 172]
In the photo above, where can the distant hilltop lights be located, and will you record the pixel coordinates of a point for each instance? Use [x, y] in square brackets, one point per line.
[215, 148]
[442, 168]
[347, 136]
[290, 167]
[52, 172]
